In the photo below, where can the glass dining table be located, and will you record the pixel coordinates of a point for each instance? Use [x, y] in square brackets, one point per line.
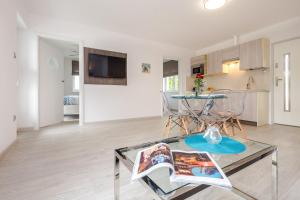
[208, 99]
[200, 96]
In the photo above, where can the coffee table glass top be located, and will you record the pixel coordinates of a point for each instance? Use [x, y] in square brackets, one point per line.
[227, 162]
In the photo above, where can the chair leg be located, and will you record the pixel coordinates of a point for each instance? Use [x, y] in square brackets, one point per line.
[168, 127]
[224, 127]
[232, 126]
[241, 128]
[181, 129]
[183, 123]
[201, 128]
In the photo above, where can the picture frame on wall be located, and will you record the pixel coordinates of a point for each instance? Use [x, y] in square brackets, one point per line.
[146, 68]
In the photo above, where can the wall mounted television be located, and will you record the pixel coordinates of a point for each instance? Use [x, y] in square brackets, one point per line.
[105, 67]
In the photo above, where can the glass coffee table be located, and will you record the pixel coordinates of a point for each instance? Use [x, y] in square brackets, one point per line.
[159, 183]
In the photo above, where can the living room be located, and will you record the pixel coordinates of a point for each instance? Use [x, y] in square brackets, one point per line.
[75, 160]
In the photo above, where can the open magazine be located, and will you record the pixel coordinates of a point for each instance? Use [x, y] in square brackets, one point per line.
[187, 167]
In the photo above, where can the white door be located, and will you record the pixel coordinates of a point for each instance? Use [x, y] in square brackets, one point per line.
[51, 84]
[287, 83]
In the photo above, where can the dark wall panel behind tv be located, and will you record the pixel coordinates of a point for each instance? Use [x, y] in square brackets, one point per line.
[105, 67]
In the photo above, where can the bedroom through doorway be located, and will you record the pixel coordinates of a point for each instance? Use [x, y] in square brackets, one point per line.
[59, 84]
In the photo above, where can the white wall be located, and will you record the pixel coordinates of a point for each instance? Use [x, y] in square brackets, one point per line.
[28, 78]
[69, 78]
[51, 86]
[8, 75]
[141, 97]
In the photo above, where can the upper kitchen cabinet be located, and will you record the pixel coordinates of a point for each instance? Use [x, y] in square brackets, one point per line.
[255, 54]
[232, 53]
[214, 63]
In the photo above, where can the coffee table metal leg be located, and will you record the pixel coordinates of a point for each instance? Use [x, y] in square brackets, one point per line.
[117, 179]
[275, 175]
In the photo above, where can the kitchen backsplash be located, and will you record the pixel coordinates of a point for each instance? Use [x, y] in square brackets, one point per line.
[238, 80]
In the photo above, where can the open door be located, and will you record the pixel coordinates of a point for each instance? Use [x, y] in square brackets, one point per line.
[171, 81]
[51, 83]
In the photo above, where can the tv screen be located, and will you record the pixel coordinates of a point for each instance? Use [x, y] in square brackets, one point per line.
[106, 66]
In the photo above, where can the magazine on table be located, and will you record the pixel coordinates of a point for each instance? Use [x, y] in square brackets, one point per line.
[188, 167]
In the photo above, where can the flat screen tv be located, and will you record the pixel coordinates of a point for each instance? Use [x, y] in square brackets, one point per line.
[103, 66]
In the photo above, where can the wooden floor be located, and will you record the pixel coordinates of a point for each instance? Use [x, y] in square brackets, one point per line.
[68, 162]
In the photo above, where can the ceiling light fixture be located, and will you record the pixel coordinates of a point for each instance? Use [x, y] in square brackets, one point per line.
[213, 4]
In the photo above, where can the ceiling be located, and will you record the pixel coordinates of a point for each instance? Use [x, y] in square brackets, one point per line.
[180, 22]
[69, 49]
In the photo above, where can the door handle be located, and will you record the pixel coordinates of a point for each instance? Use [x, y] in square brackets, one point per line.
[277, 79]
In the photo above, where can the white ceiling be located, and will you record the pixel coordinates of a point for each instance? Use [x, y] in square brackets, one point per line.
[178, 22]
[69, 49]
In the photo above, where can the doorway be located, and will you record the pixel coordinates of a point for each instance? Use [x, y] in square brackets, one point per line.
[171, 81]
[59, 81]
[286, 82]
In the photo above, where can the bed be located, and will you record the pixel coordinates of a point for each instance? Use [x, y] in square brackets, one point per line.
[71, 105]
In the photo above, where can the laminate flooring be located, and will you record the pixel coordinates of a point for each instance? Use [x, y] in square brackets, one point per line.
[68, 162]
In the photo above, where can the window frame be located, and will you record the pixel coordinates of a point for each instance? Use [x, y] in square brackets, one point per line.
[167, 88]
[76, 86]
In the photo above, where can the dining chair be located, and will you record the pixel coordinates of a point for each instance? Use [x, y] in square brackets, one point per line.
[216, 110]
[238, 99]
[193, 108]
[225, 112]
[176, 118]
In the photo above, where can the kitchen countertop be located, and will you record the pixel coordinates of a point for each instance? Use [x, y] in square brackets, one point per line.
[241, 90]
[252, 90]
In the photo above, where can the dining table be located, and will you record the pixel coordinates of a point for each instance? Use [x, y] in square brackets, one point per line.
[209, 101]
[210, 98]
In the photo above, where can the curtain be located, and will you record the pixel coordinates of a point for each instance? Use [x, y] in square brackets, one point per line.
[170, 68]
[75, 67]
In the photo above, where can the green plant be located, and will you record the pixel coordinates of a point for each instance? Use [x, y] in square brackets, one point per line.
[199, 81]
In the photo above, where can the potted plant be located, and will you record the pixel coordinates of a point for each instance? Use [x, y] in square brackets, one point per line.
[199, 83]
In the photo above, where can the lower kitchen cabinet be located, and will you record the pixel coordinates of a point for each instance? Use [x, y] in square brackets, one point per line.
[256, 108]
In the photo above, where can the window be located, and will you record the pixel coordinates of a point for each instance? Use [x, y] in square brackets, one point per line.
[171, 84]
[76, 83]
[287, 83]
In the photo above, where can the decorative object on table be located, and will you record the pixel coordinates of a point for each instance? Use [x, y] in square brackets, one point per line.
[146, 67]
[226, 146]
[212, 135]
[199, 83]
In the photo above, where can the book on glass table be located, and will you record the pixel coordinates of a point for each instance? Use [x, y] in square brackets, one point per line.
[185, 167]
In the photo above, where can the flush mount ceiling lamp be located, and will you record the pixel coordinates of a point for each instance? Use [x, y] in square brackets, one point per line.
[213, 4]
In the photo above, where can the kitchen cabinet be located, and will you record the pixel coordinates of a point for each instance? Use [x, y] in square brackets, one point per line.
[256, 108]
[214, 63]
[255, 54]
[232, 53]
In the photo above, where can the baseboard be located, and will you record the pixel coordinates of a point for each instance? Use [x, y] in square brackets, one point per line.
[123, 120]
[4, 152]
[248, 123]
[26, 129]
